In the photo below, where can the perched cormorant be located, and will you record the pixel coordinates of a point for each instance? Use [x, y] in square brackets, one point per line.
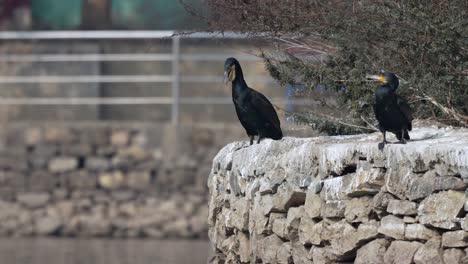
[391, 111]
[256, 114]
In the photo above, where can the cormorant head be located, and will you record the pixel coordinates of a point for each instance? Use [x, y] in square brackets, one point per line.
[230, 67]
[385, 77]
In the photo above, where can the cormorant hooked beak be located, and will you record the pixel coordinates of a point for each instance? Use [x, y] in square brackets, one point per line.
[380, 78]
[230, 74]
[225, 78]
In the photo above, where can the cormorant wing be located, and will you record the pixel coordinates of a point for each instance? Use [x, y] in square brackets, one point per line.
[405, 110]
[244, 122]
[265, 109]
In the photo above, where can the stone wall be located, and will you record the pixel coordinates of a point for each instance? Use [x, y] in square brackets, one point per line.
[340, 199]
[109, 180]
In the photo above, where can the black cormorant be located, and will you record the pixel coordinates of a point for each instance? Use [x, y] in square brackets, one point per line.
[255, 112]
[391, 111]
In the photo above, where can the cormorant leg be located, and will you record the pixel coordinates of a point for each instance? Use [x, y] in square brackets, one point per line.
[251, 139]
[382, 144]
[402, 140]
[259, 138]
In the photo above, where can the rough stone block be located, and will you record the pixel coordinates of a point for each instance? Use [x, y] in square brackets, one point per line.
[401, 252]
[63, 164]
[455, 239]
[268, 247]
[306, 230]
[430, 253]
[284, 254]
[372, 252]
[33, 200]
[313, 204]
[97, 164]
[421, 187]
[366, 181]
[139, 180]
[358, 209]
[120, 138]
[393, 227]
[333, 209]
[441, 209]
[454, 255]
[419, 232]
[401, 207]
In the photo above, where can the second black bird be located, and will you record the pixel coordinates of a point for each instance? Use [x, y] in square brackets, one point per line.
[391, 111]
[255, 112]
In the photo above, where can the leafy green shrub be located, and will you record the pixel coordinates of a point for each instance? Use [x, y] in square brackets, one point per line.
[335, 43]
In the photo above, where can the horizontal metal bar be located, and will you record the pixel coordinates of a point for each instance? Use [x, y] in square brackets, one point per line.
[134, 101]
[85, 101]
[114, 34]
[119, 79]
[117, 57]
[84, 57]
[86, 79]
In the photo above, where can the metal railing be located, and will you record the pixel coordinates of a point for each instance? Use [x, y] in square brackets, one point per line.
[175, 78]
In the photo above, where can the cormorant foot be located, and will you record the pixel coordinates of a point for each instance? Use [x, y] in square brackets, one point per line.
[401, 142]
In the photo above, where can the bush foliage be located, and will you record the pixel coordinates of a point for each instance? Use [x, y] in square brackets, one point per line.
[335, 43]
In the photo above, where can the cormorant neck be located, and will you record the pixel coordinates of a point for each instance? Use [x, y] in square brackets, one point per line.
[393, 84]
[239, 82]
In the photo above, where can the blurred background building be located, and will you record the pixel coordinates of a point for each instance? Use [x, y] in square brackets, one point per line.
[110, 119]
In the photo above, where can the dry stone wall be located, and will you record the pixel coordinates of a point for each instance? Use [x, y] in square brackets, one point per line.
[106, 180]
[340, 199]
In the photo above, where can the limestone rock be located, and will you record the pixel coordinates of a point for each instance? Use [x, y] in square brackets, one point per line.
[421, 187]
[345, 239]
[63, 164]
[335, 188]
[372, 252]
[419, 232]
[392, 226]
[318, 233]
[293, 220]
[111, 180]
[455, 239]
[381, 200]
[287, 197]
[47, 225]
[333, 209]
[97, 163]
[401, 252]
[139, 180]
[366, 181]
[321, 255]
[33, 200]
[397, 180]
[313, 204]
[268, 247]
[358, 209]
[284, 254]
[454, 255]
[120, 138]
[300, 254]
[441, 209]
[306, 230]
[401, 207]
[239, 216]
[257, 220]
[279, 227]
[409, 219]
[464, 223]
[429, 253]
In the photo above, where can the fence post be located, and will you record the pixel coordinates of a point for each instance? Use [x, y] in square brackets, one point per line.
[175, 80]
